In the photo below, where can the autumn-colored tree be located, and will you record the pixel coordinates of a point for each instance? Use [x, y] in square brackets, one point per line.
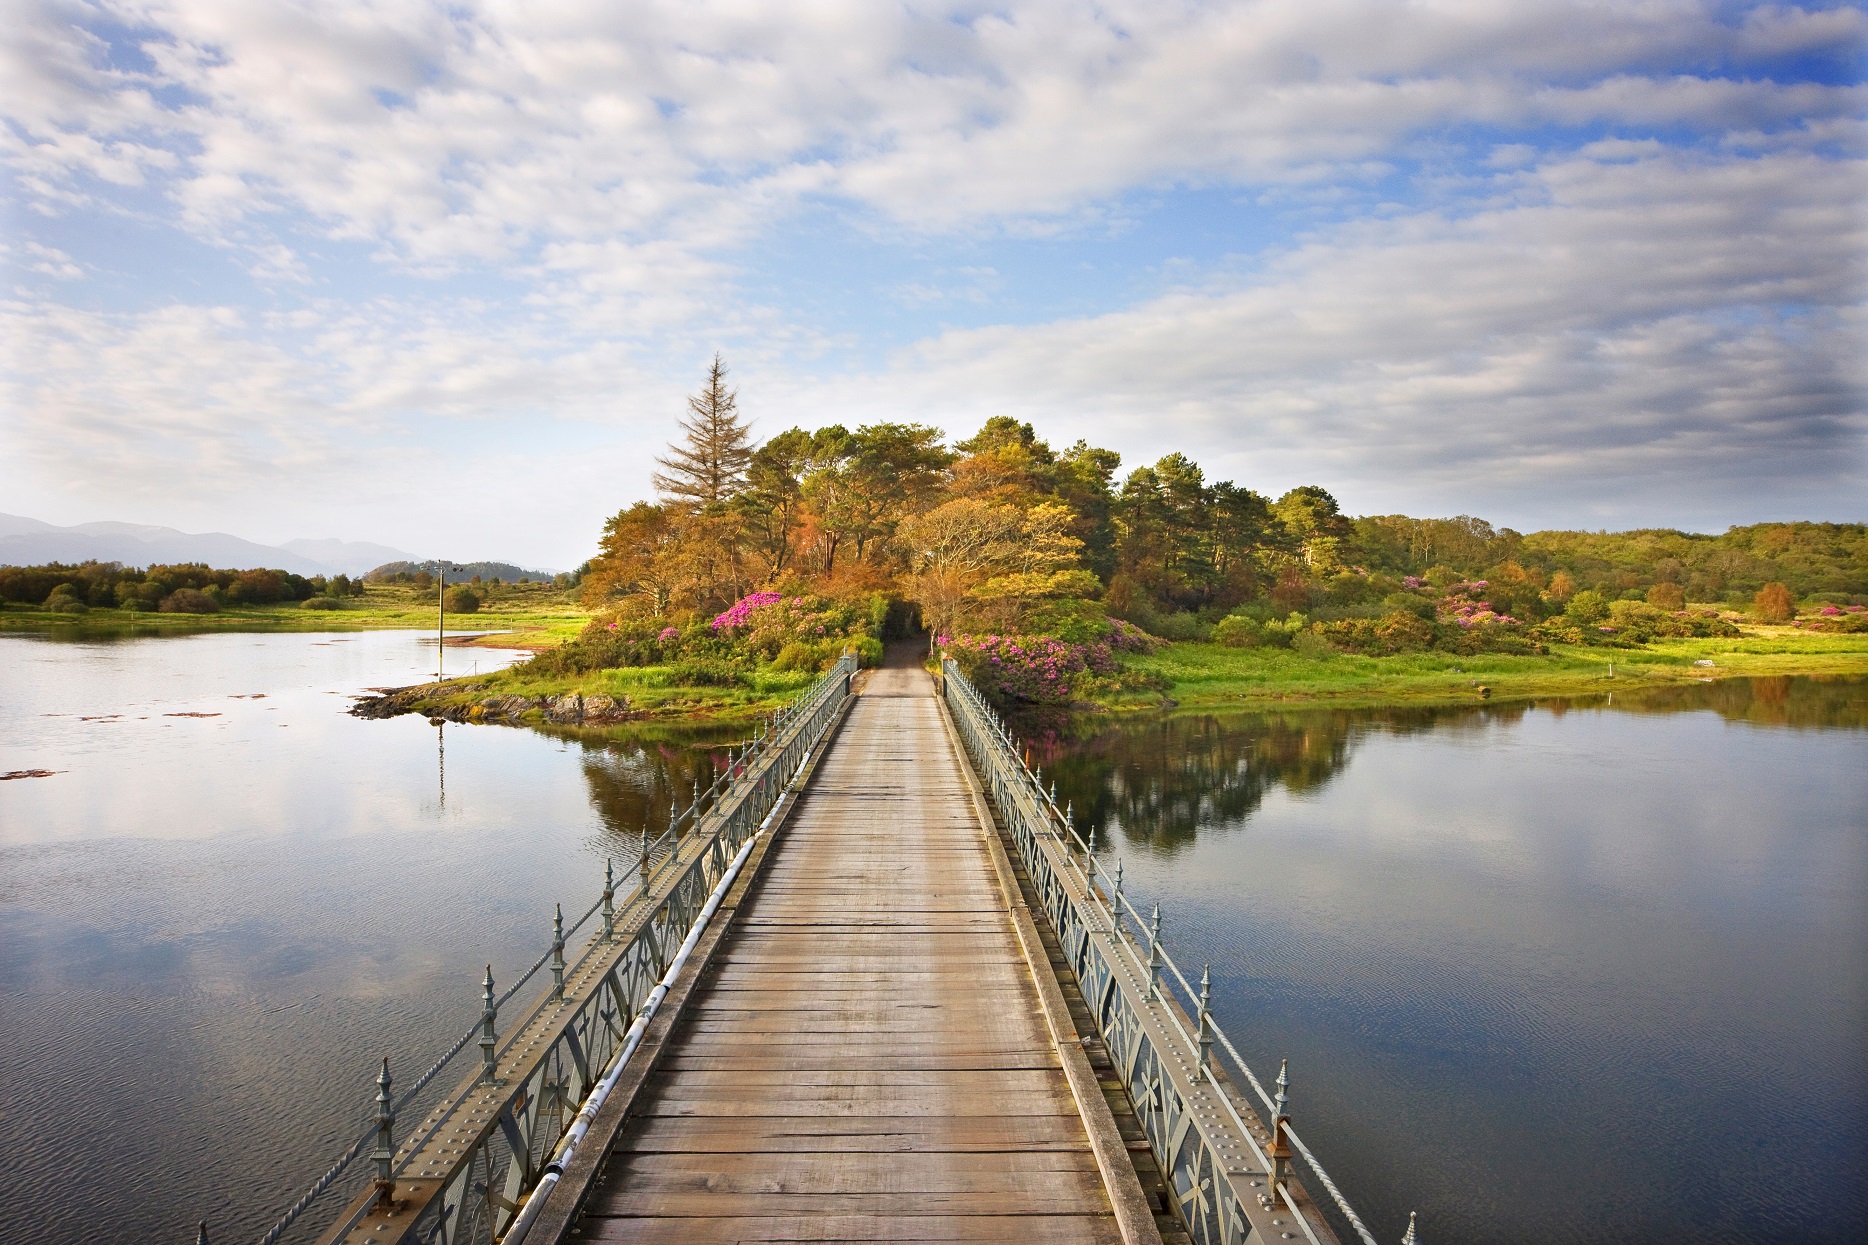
[954, 548]
[1774, 603]
[1562, 587]
[628, 569]
[1666, 596]
[709, 464]
[969, 556]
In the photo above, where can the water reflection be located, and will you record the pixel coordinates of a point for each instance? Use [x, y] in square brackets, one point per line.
[1528, 957]
[235, 893]
[1155, 782]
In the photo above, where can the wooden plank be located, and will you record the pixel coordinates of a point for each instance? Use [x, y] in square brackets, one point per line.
[863, 1134]
[1048, 1195]
[984, 1229]
[644, 1175]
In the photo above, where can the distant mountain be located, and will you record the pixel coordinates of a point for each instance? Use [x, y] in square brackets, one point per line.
[351, 557]
[28, 542]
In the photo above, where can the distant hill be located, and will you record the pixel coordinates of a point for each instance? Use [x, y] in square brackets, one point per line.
[504, 571]
[28, 542]
[351, 557]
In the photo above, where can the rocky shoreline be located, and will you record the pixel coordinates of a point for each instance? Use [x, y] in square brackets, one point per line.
[571, 709]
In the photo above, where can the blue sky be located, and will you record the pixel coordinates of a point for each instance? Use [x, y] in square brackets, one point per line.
[440, 276]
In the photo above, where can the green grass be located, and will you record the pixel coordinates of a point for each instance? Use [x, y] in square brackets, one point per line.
[540, 616]
[1208, 675]
[651, 692]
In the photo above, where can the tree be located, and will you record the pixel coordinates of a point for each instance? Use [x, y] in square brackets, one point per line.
[1315, 523]
[952, 549]
[972, 550]
[1666, 596]
[1774, 603]
[708, 467]
[882, 473]
[629, 569]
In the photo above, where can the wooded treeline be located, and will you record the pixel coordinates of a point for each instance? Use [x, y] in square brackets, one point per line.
[1003, 531]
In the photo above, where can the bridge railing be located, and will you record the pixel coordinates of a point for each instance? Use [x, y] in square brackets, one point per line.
[466, 1171]
[1161, 1041]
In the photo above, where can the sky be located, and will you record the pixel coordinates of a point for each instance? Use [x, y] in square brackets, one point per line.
[441, 275]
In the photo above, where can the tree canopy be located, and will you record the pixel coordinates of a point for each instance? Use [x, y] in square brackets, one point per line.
[1001, 530]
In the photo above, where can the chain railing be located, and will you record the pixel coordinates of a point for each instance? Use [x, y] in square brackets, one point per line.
[1228, 1170]
[467, 1169]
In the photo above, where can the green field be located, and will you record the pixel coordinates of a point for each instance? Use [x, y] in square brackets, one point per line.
[1211, 676]
[539, 615]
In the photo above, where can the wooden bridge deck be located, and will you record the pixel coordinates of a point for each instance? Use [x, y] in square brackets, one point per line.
[868, 1058]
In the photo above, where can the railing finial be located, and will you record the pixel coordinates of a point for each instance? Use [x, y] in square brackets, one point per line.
[1280, 1153]
[489, 1038]
[557, 952]
[609, 896]
[1154, 952]
[385, 1153]
[1408, 1237]
[1204, 1038]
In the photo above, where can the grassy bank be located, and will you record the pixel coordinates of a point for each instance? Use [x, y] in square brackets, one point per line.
[598, 700]
[532, 615]
[1212, 676]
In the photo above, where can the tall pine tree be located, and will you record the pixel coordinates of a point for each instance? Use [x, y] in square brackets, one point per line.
[709, 465]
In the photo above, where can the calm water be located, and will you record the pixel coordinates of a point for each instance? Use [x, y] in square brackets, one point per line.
[1583, 975]
[212, 926]
[1563, 973]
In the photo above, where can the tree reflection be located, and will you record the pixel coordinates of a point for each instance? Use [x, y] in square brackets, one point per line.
[1159, 781]
[634, 778]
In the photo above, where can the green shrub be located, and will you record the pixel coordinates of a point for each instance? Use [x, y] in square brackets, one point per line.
[1586, 608]
[321, 603]
[868, 650]
[64, 599]
[189, 601]
[1235, 631]
[1408, 603]
[1400, 632]
[1311, 643]
[463, 600]
[705, 672]
[797, 655]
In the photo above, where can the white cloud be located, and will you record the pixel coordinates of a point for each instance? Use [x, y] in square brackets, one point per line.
[478, 134]
[1679, 297]
[1617, 325]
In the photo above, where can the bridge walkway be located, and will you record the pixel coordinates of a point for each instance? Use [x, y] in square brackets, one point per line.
[868, 1057]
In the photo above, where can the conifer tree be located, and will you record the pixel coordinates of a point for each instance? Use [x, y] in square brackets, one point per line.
[709, 466]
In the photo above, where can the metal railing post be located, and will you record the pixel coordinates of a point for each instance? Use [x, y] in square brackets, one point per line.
[609, 895]
[1204, 1039]
[557, 953]
[1154, 953]
[488, 1037]
[385, 1153]
[1280, 1151]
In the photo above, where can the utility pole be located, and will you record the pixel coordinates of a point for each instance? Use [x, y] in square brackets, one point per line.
[442, 567]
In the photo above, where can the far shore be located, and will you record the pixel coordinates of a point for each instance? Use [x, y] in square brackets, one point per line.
[1187, 676]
